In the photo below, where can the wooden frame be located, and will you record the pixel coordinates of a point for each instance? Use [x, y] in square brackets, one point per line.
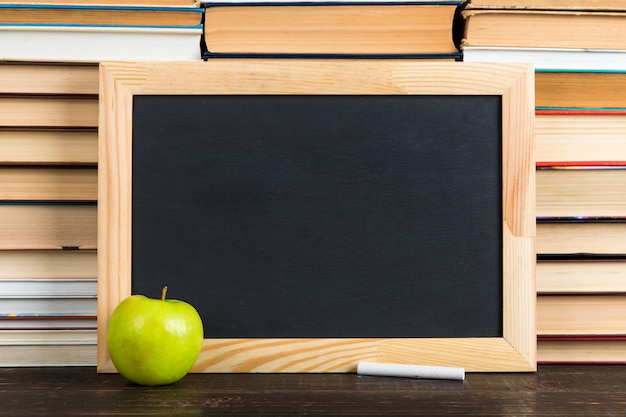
[515, 351]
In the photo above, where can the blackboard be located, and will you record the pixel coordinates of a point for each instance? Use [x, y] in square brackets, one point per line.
[350, 216]
[318, 213]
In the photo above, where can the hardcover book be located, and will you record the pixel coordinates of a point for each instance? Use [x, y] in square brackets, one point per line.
[342, 28]
[545, 28]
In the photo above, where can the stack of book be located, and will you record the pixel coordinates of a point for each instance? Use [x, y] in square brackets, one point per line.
[79, 30]
[558, 34]
[48, 213]
[579, 51]
[49, 53]
[422, 29]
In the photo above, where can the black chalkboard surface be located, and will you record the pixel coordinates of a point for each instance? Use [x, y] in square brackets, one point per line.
[319, 213]
[328, 216]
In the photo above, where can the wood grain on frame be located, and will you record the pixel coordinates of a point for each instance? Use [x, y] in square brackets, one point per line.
[515, 351]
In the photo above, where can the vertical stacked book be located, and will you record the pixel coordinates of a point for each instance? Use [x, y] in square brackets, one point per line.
[579, 51]
[419, 29]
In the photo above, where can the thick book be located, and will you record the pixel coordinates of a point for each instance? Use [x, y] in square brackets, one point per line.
[19, 183]
[545, 28]
[111, 2]
[550, 58]
[52, 323]
[551, 4]
[47, 226]
[47, 355]
[48, 288]
[48, 264]
[48, 78]
[581, 350]
[93, 14]
[49, 147]
[93, 43]
[581, 274]
[580, 136]
[48, 347]
[47, 337]
[581, 236]
[580, 89]
[589, 314]
[328, 29]
[48, 111]
[579, 190]
[16, 306]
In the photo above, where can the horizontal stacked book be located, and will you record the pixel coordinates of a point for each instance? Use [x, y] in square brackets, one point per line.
[100, 30]
[48, 213]
[554, 34]
[49, 117]
[579, 53]
[48, 160]
[420, 29]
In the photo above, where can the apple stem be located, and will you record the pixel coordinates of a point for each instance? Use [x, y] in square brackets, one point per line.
[163, 293]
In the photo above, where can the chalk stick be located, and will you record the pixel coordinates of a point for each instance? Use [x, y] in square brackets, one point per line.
[410, 371]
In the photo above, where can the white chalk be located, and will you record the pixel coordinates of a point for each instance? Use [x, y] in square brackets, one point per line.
[410, 371]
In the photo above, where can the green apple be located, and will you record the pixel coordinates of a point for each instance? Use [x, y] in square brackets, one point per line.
[152, 341]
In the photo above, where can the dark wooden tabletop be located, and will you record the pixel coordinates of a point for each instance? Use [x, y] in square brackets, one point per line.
[582, 390]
